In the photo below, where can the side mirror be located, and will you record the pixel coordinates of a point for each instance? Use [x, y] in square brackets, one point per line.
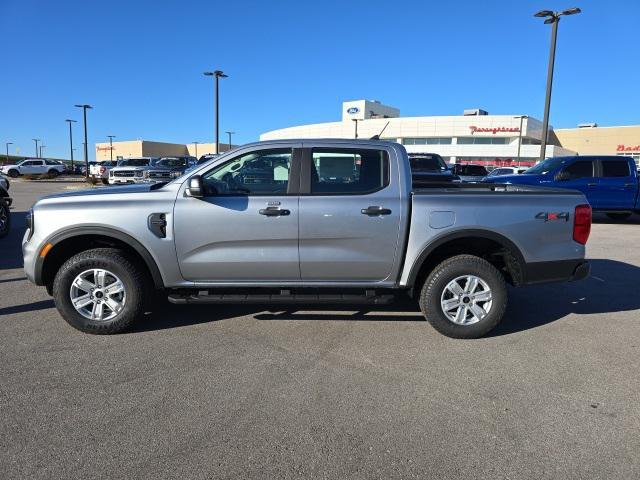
[562, 176]
[194, 187]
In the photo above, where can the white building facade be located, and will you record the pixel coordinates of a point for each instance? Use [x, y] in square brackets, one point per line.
[475, 137]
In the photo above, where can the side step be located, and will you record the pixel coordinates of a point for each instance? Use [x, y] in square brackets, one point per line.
[285, 296]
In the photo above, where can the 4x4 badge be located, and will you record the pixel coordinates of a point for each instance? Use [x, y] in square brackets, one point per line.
[549, 216]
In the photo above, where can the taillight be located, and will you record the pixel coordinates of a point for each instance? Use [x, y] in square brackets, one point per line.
[582, 224]
[102, 170]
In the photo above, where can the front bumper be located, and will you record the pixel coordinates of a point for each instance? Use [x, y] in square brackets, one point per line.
[557, 271]
[127, 180]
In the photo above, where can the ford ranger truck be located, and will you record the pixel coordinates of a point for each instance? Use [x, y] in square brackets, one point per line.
[610, 183]
[304, 221]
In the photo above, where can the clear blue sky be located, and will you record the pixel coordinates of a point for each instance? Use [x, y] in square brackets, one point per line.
[140, 64]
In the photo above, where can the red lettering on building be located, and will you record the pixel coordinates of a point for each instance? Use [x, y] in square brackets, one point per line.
[628, 148]
[493, 130]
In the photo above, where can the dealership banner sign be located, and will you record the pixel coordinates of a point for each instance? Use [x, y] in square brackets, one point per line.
[493, 130]
[628, 148]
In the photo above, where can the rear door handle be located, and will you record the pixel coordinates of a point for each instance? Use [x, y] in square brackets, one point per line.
[274, 212]
[592, 184]
[375, 210]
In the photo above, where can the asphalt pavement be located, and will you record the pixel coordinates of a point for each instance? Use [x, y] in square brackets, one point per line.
[245, 392]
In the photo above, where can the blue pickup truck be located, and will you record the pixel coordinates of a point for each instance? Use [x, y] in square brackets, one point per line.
[610, 183]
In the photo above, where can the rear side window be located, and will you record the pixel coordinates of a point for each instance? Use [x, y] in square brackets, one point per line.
[581, 169]
[348, 171]
[615, 168]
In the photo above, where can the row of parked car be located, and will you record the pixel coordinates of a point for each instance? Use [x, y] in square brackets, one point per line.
[144, 169]
[610, 183]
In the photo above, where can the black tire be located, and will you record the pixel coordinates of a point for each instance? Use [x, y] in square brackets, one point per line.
[619, 215]
[446, 272]
[105, 181]
[5, 218]
[13, 173]
[136, 285]
[53, 173]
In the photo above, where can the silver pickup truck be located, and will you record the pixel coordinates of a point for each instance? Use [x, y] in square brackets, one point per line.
[303, 221]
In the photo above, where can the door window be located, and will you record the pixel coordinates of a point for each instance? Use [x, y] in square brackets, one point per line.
[615, 168]
[265, 172]
[348, 171]
[582, 169]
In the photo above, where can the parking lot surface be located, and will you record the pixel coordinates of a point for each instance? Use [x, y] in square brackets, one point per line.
[247, 392]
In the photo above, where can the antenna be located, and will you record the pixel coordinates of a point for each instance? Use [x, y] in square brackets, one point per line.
[377, 137]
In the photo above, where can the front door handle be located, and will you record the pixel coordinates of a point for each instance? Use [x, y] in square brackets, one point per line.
[274, 212]
[375, 210]
[592, 184]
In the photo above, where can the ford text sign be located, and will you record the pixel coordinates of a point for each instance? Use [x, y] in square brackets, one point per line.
[353, 110]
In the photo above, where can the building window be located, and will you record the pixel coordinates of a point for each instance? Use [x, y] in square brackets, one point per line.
[427, 141]
[530, 141]
[483, 140]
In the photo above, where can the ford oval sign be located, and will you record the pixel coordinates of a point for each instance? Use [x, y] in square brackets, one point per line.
[353, 110]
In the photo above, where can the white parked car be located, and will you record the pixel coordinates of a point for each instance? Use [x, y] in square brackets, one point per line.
[496, 172]
[34, 166]
[131, 170]
[100, 170]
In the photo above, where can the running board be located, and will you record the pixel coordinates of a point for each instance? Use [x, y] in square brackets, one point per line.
[205, 297]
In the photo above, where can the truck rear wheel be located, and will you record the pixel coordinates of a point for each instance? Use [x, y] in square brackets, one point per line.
[100, 291]
[464, 297]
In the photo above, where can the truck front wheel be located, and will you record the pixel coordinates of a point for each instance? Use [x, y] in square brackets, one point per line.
[464, 297]
[100, 291]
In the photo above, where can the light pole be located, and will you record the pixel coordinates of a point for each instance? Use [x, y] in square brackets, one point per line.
[71, 149]
[41, 147]
[552, 18]
[7, 147]
[229, 133]
[521, 117]
[36, 140]
[111, 137]
[196, 145]
[355, 120]
[218, 74]
[86, 152]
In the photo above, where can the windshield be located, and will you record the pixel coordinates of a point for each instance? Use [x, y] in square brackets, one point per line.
[471, 170]
[545, 166]
[171, 162]
[134, 162]
[427, 163]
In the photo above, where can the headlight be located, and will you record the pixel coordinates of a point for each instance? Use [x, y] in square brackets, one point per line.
[29, 223]
[176, 174]
[111, 173]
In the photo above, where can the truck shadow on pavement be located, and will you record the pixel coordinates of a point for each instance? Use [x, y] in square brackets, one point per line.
[612, 287]
[11, 245]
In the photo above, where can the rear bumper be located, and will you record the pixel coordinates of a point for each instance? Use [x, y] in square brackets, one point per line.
[558, 271]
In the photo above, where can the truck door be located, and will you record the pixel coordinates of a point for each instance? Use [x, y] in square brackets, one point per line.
[350, 214]
[617, 185]
[581, 175]
[245, 229]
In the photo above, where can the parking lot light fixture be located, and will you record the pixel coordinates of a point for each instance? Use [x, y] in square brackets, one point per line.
[7, 147]
[111, 137]
[229, 133]
[37, 151]
[552, 18]
[217, 74]
[84, 108]
[196, 145]
[521, 117]
[71, 149]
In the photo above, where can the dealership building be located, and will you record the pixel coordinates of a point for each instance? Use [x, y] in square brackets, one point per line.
[473, 137]
[148, 148]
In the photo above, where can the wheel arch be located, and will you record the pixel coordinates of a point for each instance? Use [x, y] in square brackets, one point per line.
[500, 251]
[75, 240]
